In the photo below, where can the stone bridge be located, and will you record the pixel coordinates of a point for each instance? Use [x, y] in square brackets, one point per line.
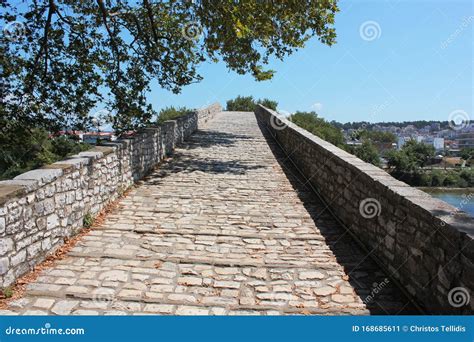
[231, 224]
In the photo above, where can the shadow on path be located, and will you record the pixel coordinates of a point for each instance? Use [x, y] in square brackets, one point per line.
[210, 138]
[371, 284]
[183, 162]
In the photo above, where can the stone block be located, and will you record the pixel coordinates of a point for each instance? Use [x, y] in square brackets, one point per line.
[6, 246]
[42, 176]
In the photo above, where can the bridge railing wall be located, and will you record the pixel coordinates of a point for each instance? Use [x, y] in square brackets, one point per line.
[424, 244]
[40, 208]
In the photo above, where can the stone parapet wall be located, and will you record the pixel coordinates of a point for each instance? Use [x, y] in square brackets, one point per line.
[423, 243]
[42, 207]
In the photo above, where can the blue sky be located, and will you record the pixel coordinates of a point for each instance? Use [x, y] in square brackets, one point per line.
[414, 61]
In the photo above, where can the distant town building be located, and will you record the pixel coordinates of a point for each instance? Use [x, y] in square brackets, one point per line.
[93, 137]
[438, 144]
[435, 126]
[402, 141]
[448, 141]
[465, 140]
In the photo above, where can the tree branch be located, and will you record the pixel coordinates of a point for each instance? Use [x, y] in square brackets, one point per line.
[149, 12]
[103, 12]
[44, 44]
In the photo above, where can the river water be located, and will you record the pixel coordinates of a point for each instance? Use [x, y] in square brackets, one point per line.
[461, 199]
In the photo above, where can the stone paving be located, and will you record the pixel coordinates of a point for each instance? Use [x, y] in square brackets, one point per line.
[226, 227]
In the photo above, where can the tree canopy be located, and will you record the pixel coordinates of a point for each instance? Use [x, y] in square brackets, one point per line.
[248, 103]
[318, 126]
[411, 157]
[377, 136]
[367, 152]
[62, 58]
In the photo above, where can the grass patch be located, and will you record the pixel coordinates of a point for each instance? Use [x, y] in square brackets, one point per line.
[88, 220]
[7, 292]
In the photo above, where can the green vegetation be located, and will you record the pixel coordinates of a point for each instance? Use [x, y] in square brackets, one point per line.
[325, 130]
[377, 136]
[88, 220]
[367, 152]
[241, 103]
[318, 126]
[73, 56]
[410, 164]
[7, 292]
[412, 156]
[170, 113]
[25, 150]
[455, 178]
[467, 154]
[418, 124]
[268, 103]
[373, 143]
[247, 104]
[66, 58]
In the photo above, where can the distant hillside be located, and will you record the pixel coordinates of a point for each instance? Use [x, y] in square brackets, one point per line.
[418, 124]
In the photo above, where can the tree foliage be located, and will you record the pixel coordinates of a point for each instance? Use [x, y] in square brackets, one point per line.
[367, 152]
[241, 103]
[318, 126]
[170, 113]
[467, 153]
[25, 150]
[271, 104]
[67, 57]
[376, 136]
[248, 103]
[412, 156]
[418, 124]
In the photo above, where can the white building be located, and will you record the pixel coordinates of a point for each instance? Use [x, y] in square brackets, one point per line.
[438, 143]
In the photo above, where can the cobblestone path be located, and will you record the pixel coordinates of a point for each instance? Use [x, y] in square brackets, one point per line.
[225, 227]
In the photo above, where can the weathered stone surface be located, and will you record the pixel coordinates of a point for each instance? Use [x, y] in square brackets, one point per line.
[6, 245]
[192, 310]
[64, 307]
[114, 276]
[42, 176]
[392, 219]
[324, 291]
[311, 275]
[342, 298]
[44, 303]
[159, 308]
[44, 206]
[225, 227]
